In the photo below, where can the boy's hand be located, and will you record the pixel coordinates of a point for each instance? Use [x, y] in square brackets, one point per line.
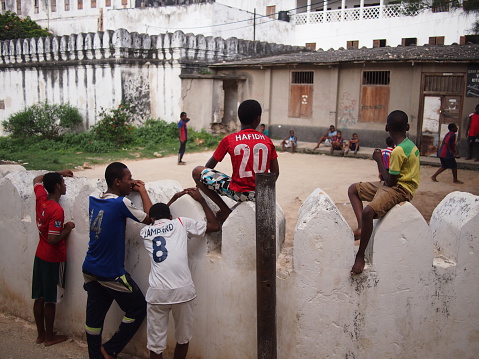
[138, 185]
[69, 226]
[377, 155]
[195, 194]
[66, 173]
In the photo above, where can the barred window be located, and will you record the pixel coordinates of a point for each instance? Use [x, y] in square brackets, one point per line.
[376, 77]
[302, 77]
[80, 4]
[67, 5]
[19, 7]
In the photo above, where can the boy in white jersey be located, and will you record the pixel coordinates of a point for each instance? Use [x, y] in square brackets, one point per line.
[171, 287]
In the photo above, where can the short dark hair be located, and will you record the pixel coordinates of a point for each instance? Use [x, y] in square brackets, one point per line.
[355, 134]
[159, 211]
[50, 180]
[249, 111]
[389, 141]
[115, 170]
[181, 114]
[397, 121]
[451, 126]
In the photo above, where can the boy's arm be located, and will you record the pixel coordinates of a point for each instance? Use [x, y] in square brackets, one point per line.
[211, 163]
[67, 228]
[390, 179]
[64, 173]
[176, 196]
[274, 167]
[139, 186]
[469, 120]
[212, 223]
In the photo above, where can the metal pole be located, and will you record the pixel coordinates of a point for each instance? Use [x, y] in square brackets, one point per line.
[266, 264]
[254, 25]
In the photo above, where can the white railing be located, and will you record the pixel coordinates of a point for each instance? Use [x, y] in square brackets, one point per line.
[365, 13]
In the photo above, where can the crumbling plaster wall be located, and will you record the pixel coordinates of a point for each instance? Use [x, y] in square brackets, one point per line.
[409, 303]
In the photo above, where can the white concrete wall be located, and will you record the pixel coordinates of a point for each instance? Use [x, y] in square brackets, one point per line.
[407, 304]
[100, 70]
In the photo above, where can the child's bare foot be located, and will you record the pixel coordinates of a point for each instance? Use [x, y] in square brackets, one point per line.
[457, 181]
[105, 354]
[434, 179]
[40, 339]
[55, 340]
[358, 266]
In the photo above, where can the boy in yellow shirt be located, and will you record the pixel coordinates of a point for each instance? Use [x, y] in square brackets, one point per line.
[398, 185]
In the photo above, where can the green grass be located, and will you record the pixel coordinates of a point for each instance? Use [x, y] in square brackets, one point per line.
[72, 150]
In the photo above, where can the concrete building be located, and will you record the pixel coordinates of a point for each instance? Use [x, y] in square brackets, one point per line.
[317, 24]
[353, 90]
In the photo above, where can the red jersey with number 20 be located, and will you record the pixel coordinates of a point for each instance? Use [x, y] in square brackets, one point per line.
[251, 152]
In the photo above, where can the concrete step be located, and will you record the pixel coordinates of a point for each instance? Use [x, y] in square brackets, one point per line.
[366, 152]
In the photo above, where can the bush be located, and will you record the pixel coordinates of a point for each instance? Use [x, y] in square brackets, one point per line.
[155, 132]
[48, 121]
[115, 125]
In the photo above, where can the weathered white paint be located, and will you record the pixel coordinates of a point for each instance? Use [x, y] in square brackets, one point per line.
[100, 70]
[407, 303]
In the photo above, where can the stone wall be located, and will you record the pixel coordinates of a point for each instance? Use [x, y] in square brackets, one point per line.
[409, 303]
[100, 70]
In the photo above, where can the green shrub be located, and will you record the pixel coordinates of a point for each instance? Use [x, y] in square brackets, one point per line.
[115, 125]
[43, 119]
[155, 132]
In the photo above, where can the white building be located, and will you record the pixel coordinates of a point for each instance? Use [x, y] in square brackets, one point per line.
[317, 24]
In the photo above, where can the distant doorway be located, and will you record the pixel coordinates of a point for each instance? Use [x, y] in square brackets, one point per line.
[441, 104]
[230, 118]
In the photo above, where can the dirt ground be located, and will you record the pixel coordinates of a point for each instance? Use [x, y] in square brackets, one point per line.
[301, 174]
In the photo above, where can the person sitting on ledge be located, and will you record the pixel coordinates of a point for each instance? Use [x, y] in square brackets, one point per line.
[399, 184]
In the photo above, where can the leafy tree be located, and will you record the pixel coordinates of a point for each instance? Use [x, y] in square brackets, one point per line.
[14, 27]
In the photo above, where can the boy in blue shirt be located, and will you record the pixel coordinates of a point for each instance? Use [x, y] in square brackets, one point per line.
[106, 279]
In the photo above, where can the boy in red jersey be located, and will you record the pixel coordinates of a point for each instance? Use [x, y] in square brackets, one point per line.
[447, 154]
[251, 152]
[50, 257]
[472, 133]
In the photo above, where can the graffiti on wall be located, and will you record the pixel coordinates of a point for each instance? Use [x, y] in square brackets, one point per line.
[347, 110]
[136, 92]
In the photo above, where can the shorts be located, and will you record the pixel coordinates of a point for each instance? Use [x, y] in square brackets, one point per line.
[157, 324]
[472, 139]
[352, 146]
[327, 142]
[48, 280]
[382, 197]
[220, 183]
[290, 144]
[448, 162]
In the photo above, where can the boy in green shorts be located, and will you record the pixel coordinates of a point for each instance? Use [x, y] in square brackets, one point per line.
[50, 256]
[398, 185]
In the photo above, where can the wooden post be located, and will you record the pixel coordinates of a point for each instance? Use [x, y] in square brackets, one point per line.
[266, 264]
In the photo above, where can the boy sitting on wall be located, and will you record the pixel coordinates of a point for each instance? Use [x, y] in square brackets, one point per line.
[250, 151]
[398, 185]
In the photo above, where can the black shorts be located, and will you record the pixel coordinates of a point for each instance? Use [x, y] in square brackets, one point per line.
[448, 162]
